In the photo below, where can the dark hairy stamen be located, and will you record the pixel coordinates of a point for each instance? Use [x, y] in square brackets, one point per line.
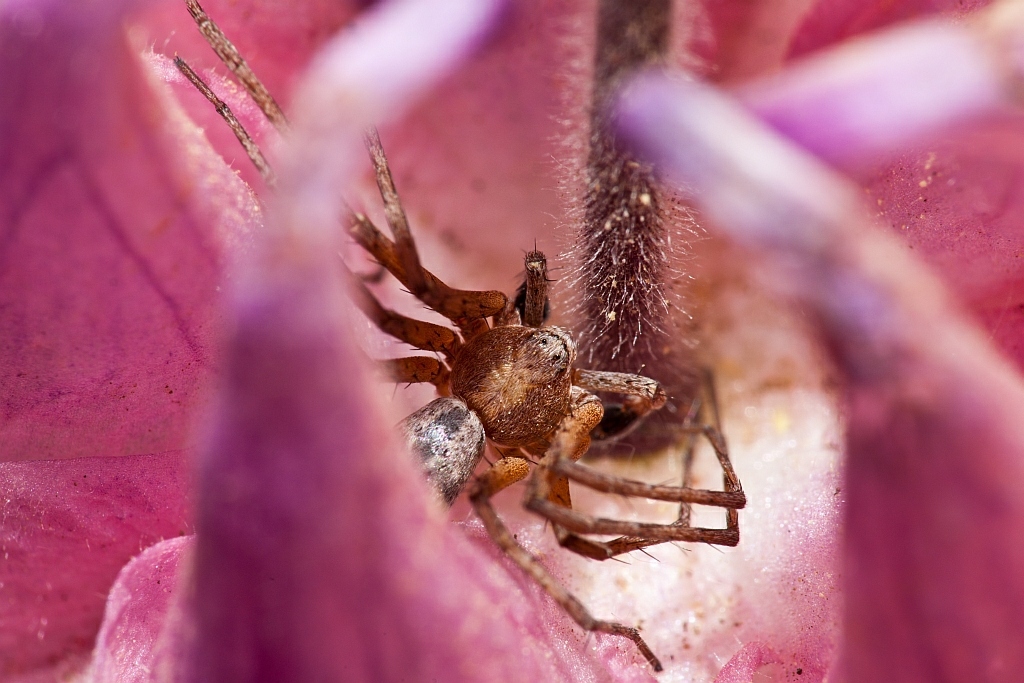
[624, 283]
[620, 241]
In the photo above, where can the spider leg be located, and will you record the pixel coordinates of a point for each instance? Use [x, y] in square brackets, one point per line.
[417, 333]
[232, 59]
[458, 305]
[501, 475]
[405, 247]
[417, 370]
[252, 150]
[643, 395]
[401, 258]
[637, 535]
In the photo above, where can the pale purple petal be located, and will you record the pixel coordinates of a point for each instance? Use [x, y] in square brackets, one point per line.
[832, 21]
[933, 573]
[871, 96]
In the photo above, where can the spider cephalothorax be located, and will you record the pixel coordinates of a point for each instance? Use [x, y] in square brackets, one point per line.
[517, 380]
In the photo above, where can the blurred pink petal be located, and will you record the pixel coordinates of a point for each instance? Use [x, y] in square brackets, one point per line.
[934, 586]
[118, 223]
[955, 201]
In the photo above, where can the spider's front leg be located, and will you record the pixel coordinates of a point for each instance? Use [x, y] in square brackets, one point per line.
[465, 308]
[585, 415]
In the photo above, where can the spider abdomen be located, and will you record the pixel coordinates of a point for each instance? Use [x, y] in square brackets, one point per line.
[518, 380]
[449, 440]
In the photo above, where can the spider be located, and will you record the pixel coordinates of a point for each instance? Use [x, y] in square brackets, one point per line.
[513, 382]
[505, 377]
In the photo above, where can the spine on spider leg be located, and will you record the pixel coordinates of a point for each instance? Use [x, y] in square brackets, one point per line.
[620, 247]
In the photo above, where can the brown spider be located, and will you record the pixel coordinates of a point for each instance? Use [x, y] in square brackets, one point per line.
[511, 381]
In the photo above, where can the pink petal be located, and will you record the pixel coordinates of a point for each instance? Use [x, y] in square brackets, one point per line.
[117, 227]
[139, 603]
[68, 528]
[742, 667]
[959, 205]
[110, 251]
[934, 589]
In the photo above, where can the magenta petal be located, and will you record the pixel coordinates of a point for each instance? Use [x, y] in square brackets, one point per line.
[68, 526]
[935, 575]
[110, 248]
[139, 604]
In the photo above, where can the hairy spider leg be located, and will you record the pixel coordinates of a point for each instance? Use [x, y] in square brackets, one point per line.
[464, 308]
[572, 437]
[638, 535]
[453, 304]
[252, 150]
[232, 59]
[417, 333]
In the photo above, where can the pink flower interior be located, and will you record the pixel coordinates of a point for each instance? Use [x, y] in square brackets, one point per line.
[123, 229]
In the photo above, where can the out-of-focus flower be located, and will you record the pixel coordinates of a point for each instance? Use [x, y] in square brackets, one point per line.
[932, 410]
[121, 231]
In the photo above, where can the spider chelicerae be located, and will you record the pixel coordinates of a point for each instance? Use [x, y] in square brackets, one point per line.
[505, 377]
